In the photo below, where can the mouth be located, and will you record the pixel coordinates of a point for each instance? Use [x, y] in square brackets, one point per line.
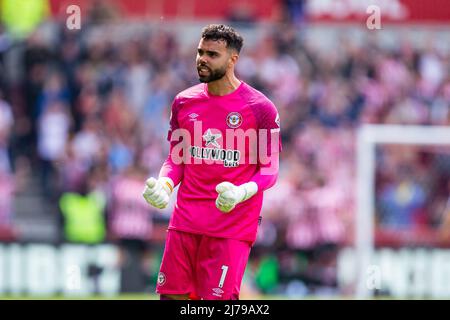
[203, 70]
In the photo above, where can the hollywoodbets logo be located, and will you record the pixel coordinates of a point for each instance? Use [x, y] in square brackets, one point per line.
[233, 147]
[229, 157]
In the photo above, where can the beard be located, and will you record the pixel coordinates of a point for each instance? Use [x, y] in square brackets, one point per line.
[212, 75]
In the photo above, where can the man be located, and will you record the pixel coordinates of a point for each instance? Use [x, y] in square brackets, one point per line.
[131, 225]
[220, 124]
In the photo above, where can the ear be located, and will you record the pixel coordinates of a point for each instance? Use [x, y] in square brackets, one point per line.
[234, 57]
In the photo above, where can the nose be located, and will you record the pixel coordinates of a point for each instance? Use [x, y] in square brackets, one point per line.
[201, 60]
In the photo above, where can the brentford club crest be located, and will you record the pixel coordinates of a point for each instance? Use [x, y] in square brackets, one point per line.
[234, 120]
[161, 278]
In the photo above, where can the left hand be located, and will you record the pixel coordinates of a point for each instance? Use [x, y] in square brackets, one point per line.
[230, 195]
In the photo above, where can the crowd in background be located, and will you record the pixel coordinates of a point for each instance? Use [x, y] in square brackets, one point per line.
[90, 118]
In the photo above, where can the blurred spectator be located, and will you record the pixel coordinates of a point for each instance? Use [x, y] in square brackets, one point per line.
[131, 226]
[86, 143]
[401, 201]
[53, 132]
[7, 181]
[136, 76]
[22, 17]
[84, 214]
[6, 203]
[54, 91]
[444, 218]
[6, 125]
[295, 10]
[267, 274]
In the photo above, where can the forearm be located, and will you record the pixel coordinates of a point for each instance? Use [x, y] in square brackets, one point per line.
[264, 182]
[267, 174]
[230, 195]
[171, 170]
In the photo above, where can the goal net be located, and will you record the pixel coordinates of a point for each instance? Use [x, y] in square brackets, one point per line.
[402, 226]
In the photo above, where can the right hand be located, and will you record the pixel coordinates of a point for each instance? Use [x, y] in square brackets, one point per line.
[157, 192]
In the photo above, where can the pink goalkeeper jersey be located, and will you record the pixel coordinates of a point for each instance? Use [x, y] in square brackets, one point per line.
[215, 150]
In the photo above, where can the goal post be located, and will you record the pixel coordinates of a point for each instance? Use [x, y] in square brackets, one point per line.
[368, 137]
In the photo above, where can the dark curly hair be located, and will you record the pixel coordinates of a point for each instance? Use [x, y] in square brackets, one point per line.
[226, 33]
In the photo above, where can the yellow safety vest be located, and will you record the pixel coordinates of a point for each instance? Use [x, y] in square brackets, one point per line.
[84, 219]
[21, 17]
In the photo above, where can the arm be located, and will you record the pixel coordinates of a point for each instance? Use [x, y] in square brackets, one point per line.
[172, 171]
[158, 191]
[267, 175]
[229, 194]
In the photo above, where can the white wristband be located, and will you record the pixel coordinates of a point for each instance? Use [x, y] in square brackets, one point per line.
[167, 184]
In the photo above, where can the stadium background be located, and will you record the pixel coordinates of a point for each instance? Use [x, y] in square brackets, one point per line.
[84, 117]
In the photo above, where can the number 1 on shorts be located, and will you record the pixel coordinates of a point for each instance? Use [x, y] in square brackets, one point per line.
[224, 274]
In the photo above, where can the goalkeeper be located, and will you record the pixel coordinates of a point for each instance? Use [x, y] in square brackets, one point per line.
[224, 152]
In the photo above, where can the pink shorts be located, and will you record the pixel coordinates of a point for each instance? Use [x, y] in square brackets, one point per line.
[205, 267]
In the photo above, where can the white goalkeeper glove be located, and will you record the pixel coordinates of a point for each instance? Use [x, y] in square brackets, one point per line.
[157, 192]
[231, 195]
